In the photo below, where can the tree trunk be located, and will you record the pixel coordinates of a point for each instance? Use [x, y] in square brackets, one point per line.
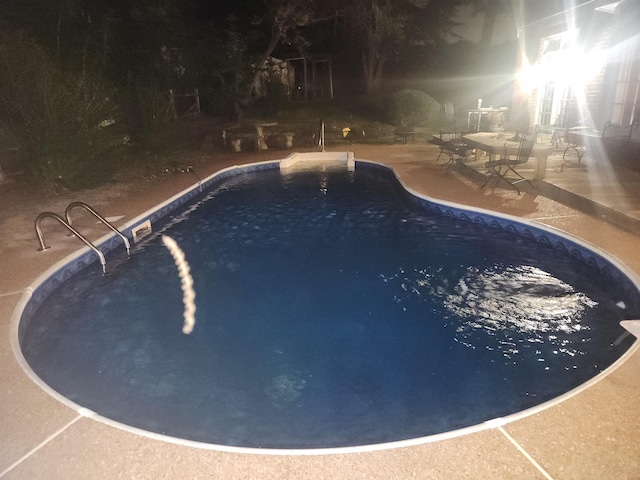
[490, 14]
[273, 43]
[373, 66]
[244, 97]
[377, 79]
[367, 63]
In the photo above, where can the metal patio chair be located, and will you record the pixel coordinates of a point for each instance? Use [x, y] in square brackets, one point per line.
[454, 149]
[451, 144]
[556, 131]
[503, 166]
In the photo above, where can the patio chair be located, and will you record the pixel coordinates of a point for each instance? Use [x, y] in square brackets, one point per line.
[449, 115]
[454, 149]
[451, 143]
[555, 131]
[501, 167]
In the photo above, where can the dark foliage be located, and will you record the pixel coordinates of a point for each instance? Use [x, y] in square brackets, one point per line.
[411, 108]
[89, 61]
[62, 123]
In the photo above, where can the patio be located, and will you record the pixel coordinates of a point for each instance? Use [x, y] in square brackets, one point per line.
[592, 434]
[590, 185]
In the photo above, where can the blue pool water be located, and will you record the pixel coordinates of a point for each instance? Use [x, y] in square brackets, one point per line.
[333, 309]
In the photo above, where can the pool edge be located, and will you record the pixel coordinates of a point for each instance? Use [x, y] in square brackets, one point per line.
[489, 424]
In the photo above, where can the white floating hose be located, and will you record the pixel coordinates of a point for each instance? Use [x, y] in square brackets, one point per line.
[189, 295]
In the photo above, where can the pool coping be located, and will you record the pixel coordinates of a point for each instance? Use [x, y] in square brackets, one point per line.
[84, 257]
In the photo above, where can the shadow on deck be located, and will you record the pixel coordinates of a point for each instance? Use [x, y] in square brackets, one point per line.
[599, 187]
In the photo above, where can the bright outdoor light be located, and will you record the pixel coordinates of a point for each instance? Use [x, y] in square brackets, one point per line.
[570, 67]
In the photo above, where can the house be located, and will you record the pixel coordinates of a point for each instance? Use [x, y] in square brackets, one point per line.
[580, 66]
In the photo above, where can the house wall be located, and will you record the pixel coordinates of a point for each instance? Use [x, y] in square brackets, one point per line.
[591, 99]
[597, 89]
[625, 43]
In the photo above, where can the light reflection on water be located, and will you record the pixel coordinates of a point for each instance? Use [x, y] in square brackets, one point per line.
[515, 305]
[522, 298]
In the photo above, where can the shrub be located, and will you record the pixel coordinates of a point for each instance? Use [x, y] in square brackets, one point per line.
[61, 122]
[369, 105]
[412, 108]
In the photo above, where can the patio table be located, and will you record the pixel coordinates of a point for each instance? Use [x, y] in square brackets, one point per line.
[492, 144]
[405, 134]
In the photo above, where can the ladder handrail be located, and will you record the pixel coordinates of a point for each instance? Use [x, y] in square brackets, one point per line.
[43, 246]
[321, 139]
[190, 169]
[71, 206]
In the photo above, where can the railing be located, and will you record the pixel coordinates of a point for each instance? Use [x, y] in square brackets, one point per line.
[73, 205]
[68, 224]
[321, 140]
[190, 169]
[43, 246]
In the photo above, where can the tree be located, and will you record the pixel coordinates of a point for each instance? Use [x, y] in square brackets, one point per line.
[145, 47]
[124, 43]
[282, 21]
[491, 9]
[382, 28]
[61, 122]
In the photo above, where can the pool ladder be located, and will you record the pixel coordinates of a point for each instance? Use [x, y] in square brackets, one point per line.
[68, 224]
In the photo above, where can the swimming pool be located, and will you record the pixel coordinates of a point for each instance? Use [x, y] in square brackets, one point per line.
[334, 309]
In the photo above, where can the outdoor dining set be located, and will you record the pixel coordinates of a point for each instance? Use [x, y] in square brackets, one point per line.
[505, 151]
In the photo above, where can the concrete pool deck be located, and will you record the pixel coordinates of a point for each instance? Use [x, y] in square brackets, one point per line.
[594, 434]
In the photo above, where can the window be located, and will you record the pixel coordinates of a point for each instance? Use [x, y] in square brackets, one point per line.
[546, 105]
[626, 108]
[554, 92]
